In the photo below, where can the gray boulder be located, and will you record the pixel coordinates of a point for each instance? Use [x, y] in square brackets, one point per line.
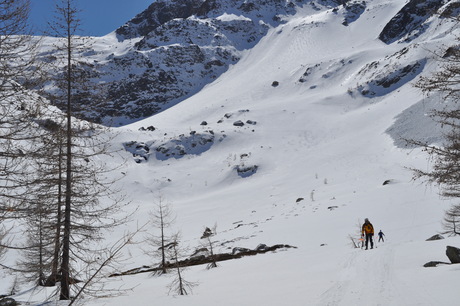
[262, 247]
[434, 264]
[453, 254]
[435, 237]
[239, 250]
[8, 302]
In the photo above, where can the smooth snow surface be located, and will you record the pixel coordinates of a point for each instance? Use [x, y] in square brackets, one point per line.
[318, 139]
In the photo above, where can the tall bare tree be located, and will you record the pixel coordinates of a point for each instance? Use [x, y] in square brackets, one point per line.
[209, 245]
[16, 45]
[445, 156]
[161, 218]
[18, 107]
[13, 114]
[44, 202]
[89, 203]
[179, 285]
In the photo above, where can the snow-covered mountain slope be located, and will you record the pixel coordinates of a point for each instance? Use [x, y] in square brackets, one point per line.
[173, 49]
[292, 146]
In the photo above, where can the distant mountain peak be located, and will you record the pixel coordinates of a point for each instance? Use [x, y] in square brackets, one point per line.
[158, 13]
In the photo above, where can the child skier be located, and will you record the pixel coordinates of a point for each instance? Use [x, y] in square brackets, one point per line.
[381, 234]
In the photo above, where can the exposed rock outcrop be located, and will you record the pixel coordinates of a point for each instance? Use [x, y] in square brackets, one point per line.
[409, 21]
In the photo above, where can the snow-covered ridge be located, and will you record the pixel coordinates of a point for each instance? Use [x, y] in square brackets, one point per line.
[174, 48]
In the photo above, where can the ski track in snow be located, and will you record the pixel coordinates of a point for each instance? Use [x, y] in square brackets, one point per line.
[367, 274]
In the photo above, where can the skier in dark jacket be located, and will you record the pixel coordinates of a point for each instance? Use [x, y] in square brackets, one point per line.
[381, 234]
[368, 230]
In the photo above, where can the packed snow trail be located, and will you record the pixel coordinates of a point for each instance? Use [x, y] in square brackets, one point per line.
[370, 277]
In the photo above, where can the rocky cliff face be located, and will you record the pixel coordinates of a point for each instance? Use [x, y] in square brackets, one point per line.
[184, 45]
[162, 12]
[157, 14]
[165, 54]
[411, 20]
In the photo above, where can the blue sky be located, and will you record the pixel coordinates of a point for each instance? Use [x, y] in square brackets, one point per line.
[99, 17]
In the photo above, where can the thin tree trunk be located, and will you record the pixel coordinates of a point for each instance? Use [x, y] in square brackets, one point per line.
[163, 255]
[41, 268]
[57, 240]
[65, 267]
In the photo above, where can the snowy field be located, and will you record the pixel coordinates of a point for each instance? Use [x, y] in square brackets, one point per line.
[318, 139]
